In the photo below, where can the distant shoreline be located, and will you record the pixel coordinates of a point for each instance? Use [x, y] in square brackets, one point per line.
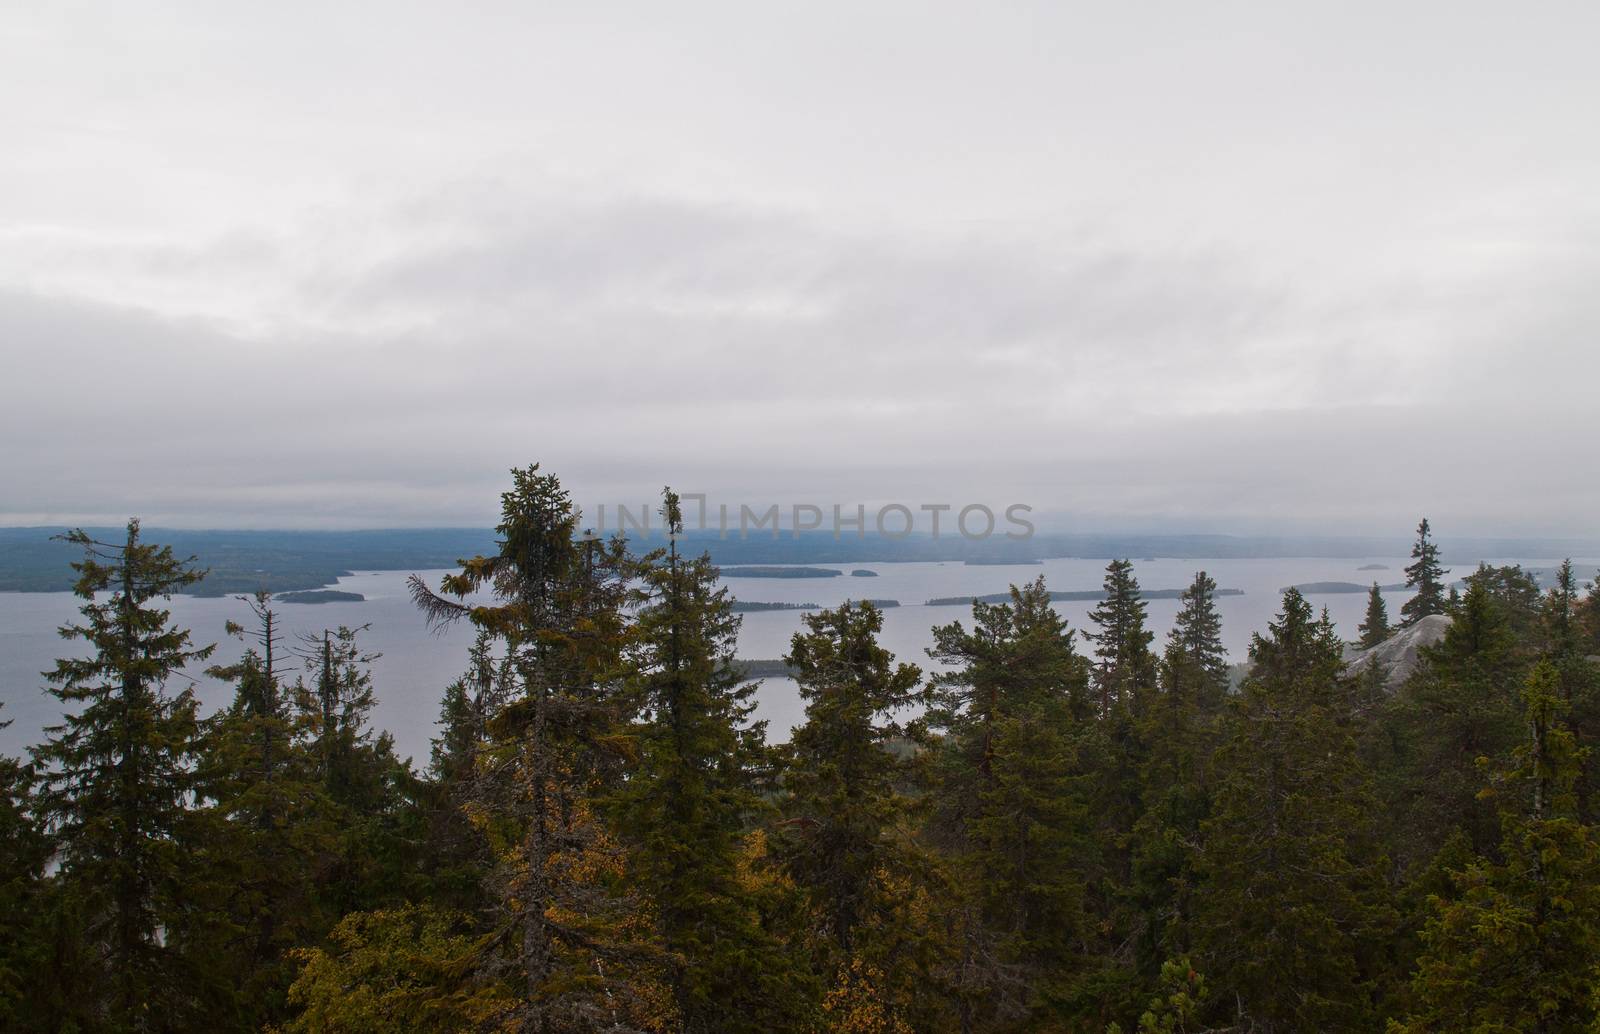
[288, 561]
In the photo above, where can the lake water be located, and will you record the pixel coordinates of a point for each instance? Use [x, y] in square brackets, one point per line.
[416, 665]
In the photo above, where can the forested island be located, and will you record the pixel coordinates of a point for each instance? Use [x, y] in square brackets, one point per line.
[1325, 588]
[1057, 829]
[319, 596]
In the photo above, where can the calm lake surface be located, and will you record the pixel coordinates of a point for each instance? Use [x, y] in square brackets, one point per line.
[416, 665]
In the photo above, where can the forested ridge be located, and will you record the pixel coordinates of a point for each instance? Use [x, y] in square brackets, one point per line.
[1051, 829]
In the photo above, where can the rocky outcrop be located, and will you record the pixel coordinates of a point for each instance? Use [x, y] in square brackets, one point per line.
[1399, 654]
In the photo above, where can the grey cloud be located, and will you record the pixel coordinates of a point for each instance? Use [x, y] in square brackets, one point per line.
[1231, 268]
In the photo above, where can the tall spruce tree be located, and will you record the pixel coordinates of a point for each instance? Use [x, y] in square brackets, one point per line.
[1122, 643]
[843, 839]
[1561, 604]
[334, 707]
[691, 795]
[117, 777]
[1374, 627]
[24, 854]
[1426, 575]
[1179, 736]
[458, 853]
[1461, 704]
[1292, 918]
[1008, 800]
[1512, 946]
[1196, 661]
[270, 828]
[570, 939]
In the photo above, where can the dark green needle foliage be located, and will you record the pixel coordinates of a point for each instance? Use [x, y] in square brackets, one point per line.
[117, 777]
[692, 794]
[1292, 921]
[1125, 664]
[1425, 574]
[1374, 627]
[1512, 944]
[1009, 802]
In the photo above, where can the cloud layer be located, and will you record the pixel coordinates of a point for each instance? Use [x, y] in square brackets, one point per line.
[286, 271]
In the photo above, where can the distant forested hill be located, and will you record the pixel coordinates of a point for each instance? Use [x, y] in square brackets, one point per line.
[243, 561]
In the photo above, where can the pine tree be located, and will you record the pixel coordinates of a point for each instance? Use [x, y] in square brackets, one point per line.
[1008, 799]
[1293, 911]
[1513, 947]
[1426, 575]
[118, 772]
[573, 938]
[1122, 643]
[1374, 628]
[1196, 661]
[692, 794]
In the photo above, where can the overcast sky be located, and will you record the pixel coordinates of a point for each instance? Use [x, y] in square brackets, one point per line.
[1190, 266]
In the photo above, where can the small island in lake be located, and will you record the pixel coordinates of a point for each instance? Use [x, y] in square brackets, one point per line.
[1320, 588]
[754, 607]
[1001, 562]
[862, 572]
[319, 596]
[1373, 567]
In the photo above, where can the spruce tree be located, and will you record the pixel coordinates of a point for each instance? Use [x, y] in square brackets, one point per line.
[1291, 920]
[1008, 800]
[270, 828]
[1196, 661]
[117, 776]
[1426, 575]
[1561, 603]
[1564, 645]
[335, 705]
[842, 840]
[693, 792]
[1460, 705]
[458, 854]
[1122, 643]
[24, 854]
[1374, 627]
[1513, 946]
[1178, 735]
[571, 939]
